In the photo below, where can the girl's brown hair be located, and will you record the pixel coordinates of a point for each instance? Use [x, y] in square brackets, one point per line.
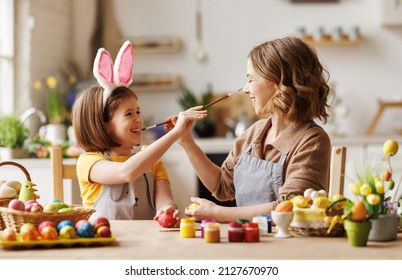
[301, 79]
[90, 118]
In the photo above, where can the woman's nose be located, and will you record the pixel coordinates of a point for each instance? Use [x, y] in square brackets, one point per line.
[246, 90]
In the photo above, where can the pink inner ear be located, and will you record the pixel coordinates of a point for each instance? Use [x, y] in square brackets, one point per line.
[106, 67]
[126, 65]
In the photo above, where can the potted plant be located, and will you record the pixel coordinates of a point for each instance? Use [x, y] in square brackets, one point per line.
[372, 202]
[13, 134]
[205, 127]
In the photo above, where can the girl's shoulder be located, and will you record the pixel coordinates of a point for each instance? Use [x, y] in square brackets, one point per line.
[90, 157]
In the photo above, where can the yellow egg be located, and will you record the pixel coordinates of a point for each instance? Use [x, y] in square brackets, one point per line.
[321, 202]
[390, 147]
[300, 201]
[193, 205]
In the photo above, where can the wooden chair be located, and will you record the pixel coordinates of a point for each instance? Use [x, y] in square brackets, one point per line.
[60, 171]
[337, 170]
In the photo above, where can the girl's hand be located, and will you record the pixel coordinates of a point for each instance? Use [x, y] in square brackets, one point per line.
[169, 209]
[207, 209]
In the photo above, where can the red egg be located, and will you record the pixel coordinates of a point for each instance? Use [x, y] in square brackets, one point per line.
[166, 219]
[104, 231]
[28, 204]
[101, 221]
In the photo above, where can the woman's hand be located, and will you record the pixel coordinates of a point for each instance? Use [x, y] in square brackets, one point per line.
[169, 209]
[206, 210]
[185, 119]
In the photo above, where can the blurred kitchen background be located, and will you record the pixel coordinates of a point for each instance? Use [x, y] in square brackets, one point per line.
[202, 45]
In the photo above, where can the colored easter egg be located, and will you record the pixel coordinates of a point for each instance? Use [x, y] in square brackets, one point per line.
[49, 233]
[66, 210]
[16, 204]
[104, 231]
[100, 221]
[28, 232]
[67, 232]
[64, 223]
[9, 234]
[45, 224]
[77, 224]
[50, 208]
[86, 230]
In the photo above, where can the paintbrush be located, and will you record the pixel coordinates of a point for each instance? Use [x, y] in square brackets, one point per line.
[203, 108]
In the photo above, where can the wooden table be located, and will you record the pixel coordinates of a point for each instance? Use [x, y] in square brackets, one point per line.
[143, 240]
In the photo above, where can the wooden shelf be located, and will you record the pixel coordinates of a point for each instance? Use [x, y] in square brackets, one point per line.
[328, 41]
[156, 82]
[152, 45]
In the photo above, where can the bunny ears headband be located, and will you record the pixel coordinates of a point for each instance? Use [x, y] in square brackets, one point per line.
[111, 76]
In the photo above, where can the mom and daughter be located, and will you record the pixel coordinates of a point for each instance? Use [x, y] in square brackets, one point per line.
[282, 153]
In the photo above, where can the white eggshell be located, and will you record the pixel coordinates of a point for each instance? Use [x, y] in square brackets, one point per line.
[2, 182]
[323, 193]
[314, 195]
[13, 184]
[307, 193]
[7, 192]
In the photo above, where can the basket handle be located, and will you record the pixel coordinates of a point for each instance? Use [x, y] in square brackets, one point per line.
[23, 169]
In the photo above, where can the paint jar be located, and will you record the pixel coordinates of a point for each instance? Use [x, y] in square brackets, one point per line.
[251, 232]
[235, 232]
[187, 227]
[212, 233]
[262, 224]
[269, 221]
[203, 223]
[243, 221]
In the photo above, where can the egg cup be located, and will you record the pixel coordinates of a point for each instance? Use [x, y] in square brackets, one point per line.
[282, 220]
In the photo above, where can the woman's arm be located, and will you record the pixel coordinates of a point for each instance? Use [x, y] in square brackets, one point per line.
[208, 209]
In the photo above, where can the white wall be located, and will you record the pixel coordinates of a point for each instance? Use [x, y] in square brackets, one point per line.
[363, 73]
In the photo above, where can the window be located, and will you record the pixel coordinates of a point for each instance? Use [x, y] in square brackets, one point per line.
[6, 56]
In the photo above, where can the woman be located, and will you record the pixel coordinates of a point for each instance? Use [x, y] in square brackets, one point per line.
[286, 152]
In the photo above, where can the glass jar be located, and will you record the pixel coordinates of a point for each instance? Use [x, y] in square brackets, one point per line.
[203, 223]
[251, 232]
[187, 227]
[235, 232]
[212, 233]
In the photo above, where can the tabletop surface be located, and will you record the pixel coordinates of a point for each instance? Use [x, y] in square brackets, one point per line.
[144, 240]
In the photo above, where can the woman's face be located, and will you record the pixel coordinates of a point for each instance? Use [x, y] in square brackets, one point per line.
[126, 123]
[259, 89]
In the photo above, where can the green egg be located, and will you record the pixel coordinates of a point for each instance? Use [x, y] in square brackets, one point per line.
[66, 210]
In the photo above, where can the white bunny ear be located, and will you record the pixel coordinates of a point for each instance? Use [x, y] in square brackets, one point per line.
[103, 72]
[123, 66]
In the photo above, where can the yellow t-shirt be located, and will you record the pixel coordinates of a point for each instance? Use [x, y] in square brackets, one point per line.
[91, 190]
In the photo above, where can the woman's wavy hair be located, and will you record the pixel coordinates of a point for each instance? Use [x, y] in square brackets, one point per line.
[90, 118]
[302, 81]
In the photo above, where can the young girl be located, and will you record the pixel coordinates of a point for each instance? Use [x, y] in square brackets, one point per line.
[107, 123]
[286, 152]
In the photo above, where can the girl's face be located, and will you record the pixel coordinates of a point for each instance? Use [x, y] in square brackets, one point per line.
[126, 123]
[259, 89]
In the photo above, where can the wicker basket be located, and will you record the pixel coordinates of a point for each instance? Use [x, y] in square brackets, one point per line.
[15, 219]
[4, 201]
[337, 231]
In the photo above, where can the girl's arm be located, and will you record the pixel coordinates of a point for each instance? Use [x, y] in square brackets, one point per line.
[109, 172]
[164, 201]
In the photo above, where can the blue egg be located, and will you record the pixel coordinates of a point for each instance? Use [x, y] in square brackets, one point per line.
[64, 223]
[86, 230]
